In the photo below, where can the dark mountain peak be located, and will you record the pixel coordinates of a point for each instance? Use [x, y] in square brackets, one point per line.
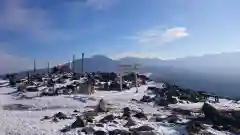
[100, 57]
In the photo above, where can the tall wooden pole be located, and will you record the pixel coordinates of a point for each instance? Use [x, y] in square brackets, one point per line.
[34, 66]
[82, 62]
[136, 78]
[73, 63]
[48, 67]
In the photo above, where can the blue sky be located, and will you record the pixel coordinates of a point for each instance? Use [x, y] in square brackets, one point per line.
[52, 30]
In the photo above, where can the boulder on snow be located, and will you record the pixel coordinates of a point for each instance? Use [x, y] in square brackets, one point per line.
[102, 106]
[90, 113]
[156, 119]
[79, 122]
[145, 133]
[182, 111]
[89, 119]
[60, 115]
[172, 100]
[236, 114]
[46, 118]
[76, 111]
[219, 118]
[140, 115]
[172, 119]
[194, 127]
[130, 123]
[88, 130]
[107, 118]
[146, 99]
[120, 132]
[161, 102]
[99, 125]
[100, 133]
[126, 112]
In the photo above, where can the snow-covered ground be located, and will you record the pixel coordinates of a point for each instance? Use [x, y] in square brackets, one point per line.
[28, 122]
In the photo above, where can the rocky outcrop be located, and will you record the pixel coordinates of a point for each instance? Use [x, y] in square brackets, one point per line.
[100, 133]
[88, 130]
[60, 115]
[220, 119]
[194, 127]
[130, 123]
[126, 112]
[102, 106]
[140, 115]
[120, 132]
[79, 122]
[107, 118]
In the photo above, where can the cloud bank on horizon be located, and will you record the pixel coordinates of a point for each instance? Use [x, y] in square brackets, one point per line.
[53, 30]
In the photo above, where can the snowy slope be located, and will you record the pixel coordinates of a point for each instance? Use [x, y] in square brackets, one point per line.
[27, 122]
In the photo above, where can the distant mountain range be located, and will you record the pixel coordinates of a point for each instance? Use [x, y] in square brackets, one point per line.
[218, 73]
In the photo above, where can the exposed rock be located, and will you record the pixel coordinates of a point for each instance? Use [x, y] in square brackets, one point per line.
[66, 129]
[107, 118]
[135, 100]
[60, 115]
[146, 99]
[90, 113]
[76, 111]
[156, 119]
[236, 114]
[172, 119]
[55, 120]
[219, 118]
[234, 129]
[161, 102]
[181, 111]
[88, 130]
[194, 127]
[80, 122]
[210, 112]
[219, 128]
[46, 118]
[115, 122]
[130, 123]
[145, 133]
[99, 125]
[126, 112]
[140, 115]
[89, 119]
[142, 128]
[102, 106]
[172, 100]
[17, 107]
[120, 132]
[100, 133]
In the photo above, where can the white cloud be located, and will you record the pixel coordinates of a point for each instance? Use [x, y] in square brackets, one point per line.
[134, 54]
[157, 36]
[100, 4]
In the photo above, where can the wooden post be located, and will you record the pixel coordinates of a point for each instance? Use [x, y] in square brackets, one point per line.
[34, 66]
[73, 63]
[121, 82]
[48, 67]
[135, 71]
[82, 62]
